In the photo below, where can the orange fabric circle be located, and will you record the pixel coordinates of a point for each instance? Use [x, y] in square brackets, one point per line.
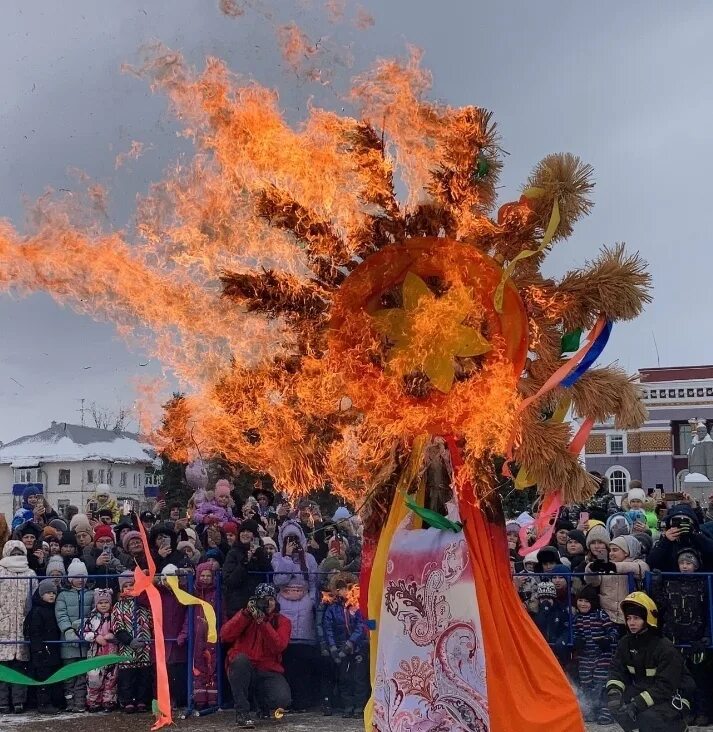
[453, 262]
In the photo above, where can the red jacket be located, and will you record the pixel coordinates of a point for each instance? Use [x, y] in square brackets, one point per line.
[263, 643]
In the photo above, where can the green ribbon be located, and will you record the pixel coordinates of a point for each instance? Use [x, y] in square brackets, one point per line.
[78, 668]
[570, 341]
[434, 519]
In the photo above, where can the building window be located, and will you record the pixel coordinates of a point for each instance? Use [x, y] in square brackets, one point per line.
[26, 475]
[681, 393]
[100, 475]
[616, 444]
[685, 436]
[90, 476]
[110, 477]
[122, 479]
[62, 504]
[138, 481]
[662, 393]
[64, 476]
[689, 392]
[618, 481]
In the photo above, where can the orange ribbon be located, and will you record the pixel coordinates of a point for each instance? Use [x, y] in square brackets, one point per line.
[144, 583]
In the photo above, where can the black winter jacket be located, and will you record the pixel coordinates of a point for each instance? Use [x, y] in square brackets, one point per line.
[241, 577]
[41, 627]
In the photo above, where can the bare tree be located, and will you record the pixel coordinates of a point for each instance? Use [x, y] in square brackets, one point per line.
[106, 419]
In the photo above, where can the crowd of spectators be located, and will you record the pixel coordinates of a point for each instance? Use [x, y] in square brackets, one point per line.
[282, 578]
[599, 554]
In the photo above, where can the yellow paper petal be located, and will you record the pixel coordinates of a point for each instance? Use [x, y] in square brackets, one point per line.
[391, 322]
[439, 369]
[414, 288]
[467, 342]
[403, 359]
[460, 301]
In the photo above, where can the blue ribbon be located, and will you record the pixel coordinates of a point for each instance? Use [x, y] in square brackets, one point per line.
[592, 355]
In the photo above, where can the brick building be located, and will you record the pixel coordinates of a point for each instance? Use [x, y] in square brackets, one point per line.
[656, 453]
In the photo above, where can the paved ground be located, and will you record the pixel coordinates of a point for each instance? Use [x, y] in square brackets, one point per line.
[211, 723]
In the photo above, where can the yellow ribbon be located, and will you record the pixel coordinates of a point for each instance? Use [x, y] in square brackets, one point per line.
[523, 479]
[525, 253]
[186, 598]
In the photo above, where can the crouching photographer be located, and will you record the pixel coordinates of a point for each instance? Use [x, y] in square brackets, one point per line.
[257, 636]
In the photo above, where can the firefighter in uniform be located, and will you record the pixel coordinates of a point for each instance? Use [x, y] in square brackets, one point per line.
[648, 683]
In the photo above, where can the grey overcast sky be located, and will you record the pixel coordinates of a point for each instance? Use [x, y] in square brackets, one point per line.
[624, 85]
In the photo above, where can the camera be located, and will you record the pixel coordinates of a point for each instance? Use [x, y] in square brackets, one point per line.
[262, 604]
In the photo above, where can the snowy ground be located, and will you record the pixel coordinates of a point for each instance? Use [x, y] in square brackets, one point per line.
[211, 723]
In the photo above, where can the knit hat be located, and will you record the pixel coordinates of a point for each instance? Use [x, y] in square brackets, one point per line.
[530, 558]
[265, 590]
[269, 541]
[13, 544]
[124, 578]
[559, 569]
[47, 585]
[77, 568]
[598, 533]
[59, 525]
[147, 517]
[128, 536]
[222, 488]
[636, 494]
[618, 524]
[68, 538]
[80, 522]
[628, 544]
[29, 528]
[341, 514]
[548, 554]
[103, 532]
[646, 542]
[183, 545]
[561, 524]
[51, 534]
[577, 536]
[512, 527]
[590, 594]
[229, 527]
[103, 594]
[250, 525]
[55, 564]
[546, 590]
[191, 534]
[215, 554]
[689, 555]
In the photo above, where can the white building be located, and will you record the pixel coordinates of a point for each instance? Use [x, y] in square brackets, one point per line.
[68, 461]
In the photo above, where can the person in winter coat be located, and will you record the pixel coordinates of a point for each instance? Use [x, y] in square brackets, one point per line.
[681, 530]
[219, 509]
[258, 636]
[205, 660]
[30, 535]
[648, 685]
[553, 621]
[346, 636]
[73, 606]
[133, 551]
[31, 498]
[131, 625]
[617, 577]
[300, 656]
[83, 531]
[683, 604]
[102, 558]
[104, 500]
[56, 570]
[101, 682]
[294, 560]
[17, 585]
[43, 633]
[526, 583]
[576, 550]
[68, 548]
[595, 638]
[245, 567]
[635, 500]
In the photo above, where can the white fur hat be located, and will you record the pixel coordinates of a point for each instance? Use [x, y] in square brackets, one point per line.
[636, 494]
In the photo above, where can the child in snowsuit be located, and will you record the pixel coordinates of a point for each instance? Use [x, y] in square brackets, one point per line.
[595, 638]
[683, 617]
[42, 631]
[553, 621]
[73, 605]
[101, 682]
[131, 625]
[346, 636]
[17, 583]
[205, 659]
[648, 687]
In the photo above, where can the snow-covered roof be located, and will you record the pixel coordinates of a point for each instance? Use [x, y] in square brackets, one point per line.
[64, 442]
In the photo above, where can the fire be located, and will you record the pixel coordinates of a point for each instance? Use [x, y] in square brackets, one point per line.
[352, 597]
[253, 276]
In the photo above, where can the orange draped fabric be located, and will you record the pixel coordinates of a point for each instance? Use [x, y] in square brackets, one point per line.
[527, 689]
